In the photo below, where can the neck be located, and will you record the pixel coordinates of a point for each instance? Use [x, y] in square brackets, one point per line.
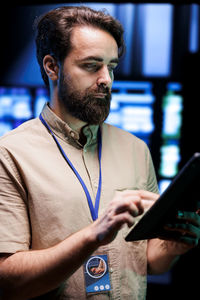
[59, 109]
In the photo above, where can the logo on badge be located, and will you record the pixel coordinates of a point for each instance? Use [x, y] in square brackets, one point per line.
[96, 267]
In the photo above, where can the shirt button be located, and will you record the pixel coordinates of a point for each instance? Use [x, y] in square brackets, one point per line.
[111, 270]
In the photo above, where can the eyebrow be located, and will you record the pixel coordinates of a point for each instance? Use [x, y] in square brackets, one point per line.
[99, 59]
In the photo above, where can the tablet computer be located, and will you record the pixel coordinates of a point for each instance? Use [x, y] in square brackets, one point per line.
[183, 193]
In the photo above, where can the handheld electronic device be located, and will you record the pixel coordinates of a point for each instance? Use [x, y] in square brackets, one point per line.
[182, 194]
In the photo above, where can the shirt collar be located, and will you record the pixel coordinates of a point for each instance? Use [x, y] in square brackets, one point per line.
[65, 132]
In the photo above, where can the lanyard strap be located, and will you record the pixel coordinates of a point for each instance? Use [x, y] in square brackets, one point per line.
[93, 209]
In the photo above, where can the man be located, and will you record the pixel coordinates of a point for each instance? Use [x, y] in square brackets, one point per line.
[70, 184]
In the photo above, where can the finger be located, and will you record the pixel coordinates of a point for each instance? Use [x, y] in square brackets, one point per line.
[142, 193]
[148, 195]
[121, 219]
[130, 204]
[147, 198]
[189, 240]
[135, 204]
[191, 217]
[147, 203]
[185, 229]
[184, 239]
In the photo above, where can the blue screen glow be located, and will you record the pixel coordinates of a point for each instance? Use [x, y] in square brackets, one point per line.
[194, 28]
[157, 35]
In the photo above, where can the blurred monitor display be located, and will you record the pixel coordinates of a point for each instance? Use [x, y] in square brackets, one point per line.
[132, 108]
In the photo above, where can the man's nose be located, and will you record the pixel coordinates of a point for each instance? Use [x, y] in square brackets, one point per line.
[104, 77]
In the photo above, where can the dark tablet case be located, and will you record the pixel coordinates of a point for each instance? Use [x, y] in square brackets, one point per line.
[182, 194]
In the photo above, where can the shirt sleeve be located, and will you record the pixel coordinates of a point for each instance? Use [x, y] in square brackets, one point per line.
[152, 184]
[14, 220]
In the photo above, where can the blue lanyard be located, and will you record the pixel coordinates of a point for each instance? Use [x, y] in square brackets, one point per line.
[93, 209]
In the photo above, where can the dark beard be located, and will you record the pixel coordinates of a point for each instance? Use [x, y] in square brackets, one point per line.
[85, 106]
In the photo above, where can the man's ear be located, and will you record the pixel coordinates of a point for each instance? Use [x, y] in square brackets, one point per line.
[51, 67]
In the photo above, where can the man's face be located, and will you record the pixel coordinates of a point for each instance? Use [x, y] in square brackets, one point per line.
[86, 76]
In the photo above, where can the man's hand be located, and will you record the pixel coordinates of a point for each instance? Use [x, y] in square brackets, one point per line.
[185, 232]
[123, 209]
[164, 251]
[29, 274]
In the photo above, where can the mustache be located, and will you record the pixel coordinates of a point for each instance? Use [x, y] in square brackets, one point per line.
[101, 89]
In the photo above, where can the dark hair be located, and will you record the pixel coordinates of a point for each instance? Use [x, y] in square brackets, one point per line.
[54, 30]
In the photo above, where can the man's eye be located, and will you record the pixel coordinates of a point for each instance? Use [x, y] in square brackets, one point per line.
[111, 68]
[90, 67]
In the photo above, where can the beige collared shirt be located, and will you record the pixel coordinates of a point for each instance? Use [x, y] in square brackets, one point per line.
[42, 202]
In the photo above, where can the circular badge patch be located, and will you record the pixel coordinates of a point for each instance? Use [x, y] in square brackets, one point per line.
[96, 267]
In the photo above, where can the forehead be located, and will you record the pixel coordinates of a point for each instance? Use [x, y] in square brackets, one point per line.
[91, 41]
